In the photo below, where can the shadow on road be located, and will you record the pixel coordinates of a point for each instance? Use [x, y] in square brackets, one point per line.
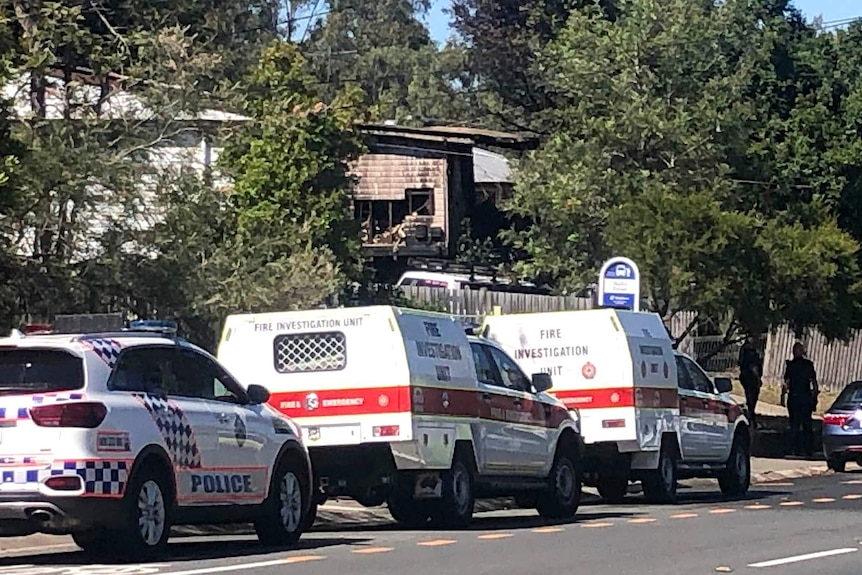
[182, 550]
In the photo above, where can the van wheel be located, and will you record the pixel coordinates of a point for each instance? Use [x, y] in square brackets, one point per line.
[147, 515]
[455, 509]
[735, 479]
[284, 517]
[310, 517]
[613, 489]
[404, 509]
[660, 485]
[563, 496]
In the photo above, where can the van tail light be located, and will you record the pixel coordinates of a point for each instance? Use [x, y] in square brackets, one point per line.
[836, 419]
[83, 414]
[65, 483]
[613, 423]
[386, 430]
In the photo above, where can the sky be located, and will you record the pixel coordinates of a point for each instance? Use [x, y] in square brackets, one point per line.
[831, 10]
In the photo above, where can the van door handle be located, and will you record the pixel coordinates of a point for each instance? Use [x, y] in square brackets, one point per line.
[223, 418]
[486, 397]
[518, 402]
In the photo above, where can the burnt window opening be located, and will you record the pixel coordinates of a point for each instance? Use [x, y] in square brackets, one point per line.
[420, 201]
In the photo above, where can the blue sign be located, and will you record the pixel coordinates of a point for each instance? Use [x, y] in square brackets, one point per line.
[619, 284]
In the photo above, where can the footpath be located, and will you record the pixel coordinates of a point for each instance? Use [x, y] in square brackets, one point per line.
[768, 465]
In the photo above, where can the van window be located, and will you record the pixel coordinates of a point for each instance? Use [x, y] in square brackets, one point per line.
[307, 352]
[39, 371]
[513, 377]
[682, 375]
[485, 371]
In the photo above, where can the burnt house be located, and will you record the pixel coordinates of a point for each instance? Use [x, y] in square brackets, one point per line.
[416, 185]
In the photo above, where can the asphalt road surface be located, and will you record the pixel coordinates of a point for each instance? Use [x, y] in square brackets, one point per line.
[800, 527]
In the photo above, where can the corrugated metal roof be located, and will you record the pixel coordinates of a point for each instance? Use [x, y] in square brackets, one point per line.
[490, 168]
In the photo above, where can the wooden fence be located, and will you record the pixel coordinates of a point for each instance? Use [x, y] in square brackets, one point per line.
[837, 364]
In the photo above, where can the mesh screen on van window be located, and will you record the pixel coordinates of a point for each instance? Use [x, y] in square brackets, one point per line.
[303, 352]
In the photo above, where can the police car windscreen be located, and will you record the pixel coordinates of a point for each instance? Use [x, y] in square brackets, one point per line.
[38, 371]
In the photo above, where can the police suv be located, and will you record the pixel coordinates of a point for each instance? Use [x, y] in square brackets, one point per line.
[114, 437]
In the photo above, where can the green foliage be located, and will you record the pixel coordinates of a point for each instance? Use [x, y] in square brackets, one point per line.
[295, 237]
[659, 115]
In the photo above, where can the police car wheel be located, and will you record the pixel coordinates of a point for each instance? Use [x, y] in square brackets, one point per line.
[563, 497]
[96, 541]
[736, 477]
[147, 515]
[283, 520]
[660, 485]
[455, 509]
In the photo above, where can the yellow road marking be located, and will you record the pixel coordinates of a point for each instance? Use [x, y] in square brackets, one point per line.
[824, 500]
[597, 525]
[790, 503]
[373, 550]
[641, 520]
[683, 516]
[492, 536]
[852, 496]
[758, 506]
[436, 542]
[548, 530]
[304, 558]
[721, 511]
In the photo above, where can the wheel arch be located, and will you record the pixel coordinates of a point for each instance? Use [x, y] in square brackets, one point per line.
[155, 455]
[292, 448]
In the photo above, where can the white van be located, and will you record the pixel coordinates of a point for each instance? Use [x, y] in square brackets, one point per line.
[647, 412]
[401, 406]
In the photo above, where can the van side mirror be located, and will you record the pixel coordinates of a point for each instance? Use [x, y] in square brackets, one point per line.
[257, 394]
[542, 382]
[723, 384]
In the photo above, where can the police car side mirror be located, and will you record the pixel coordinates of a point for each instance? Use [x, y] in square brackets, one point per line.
[257, 394]
[723, 384]
[542, 382]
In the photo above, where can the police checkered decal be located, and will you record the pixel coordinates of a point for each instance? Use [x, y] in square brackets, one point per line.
[104, 477]
[175, 429]
[108, 350]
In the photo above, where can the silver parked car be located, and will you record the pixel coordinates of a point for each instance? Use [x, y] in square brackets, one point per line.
[842, 429]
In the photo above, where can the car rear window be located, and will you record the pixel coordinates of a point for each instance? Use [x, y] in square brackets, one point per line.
[39, 371]
[850, 397]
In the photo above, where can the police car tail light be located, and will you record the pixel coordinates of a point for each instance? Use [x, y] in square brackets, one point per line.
[386, 430]
[84, 414]
[68, 483]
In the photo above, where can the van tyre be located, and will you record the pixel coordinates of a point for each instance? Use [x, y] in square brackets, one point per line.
[735, 479]
[563, 495]
[660, 484]
[404, 508]
[455, 508]
[310, 517]
[146, 525]
[285, 514]
[613, 489]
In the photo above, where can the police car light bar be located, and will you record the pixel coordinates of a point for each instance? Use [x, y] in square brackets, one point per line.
[154, 325]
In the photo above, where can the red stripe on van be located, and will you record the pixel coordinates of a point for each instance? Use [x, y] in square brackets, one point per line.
[605, 398]
[421, 401]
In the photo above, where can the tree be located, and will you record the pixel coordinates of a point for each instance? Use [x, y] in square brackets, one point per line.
[294, 241]
[383, 48]
[657, 104]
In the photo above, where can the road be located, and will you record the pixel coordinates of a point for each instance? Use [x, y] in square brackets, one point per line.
[788, 528]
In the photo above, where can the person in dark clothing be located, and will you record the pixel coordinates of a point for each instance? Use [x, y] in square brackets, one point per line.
[800, 382]
[750, 372]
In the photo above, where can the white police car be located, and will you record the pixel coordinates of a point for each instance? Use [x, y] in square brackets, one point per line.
[114, 437]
